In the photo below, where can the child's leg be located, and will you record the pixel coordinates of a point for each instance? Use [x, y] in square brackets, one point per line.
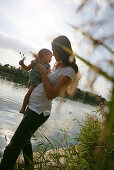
[28, 84]
[26, 99]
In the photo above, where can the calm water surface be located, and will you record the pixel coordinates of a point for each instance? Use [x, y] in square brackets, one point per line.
[62, 114]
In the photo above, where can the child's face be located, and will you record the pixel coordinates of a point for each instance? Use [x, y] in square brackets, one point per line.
[47, 58]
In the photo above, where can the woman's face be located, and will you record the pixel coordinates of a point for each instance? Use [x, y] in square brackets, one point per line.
[57, 58]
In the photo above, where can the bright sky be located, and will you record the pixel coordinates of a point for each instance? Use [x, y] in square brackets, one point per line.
[32, 24]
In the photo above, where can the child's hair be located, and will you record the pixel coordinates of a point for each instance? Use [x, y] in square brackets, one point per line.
[44, 50]
[40, 53]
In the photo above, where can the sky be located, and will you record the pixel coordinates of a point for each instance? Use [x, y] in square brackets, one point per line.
[29, 25]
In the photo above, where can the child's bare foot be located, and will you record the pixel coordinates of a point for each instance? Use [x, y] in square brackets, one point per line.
[22, 110]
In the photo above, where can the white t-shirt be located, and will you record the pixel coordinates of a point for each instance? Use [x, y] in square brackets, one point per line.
[38, 101]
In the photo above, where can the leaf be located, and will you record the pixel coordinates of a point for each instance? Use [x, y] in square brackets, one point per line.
[82, 5]
[96, 42]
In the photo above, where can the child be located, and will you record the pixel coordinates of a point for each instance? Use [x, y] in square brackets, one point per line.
[44, 57]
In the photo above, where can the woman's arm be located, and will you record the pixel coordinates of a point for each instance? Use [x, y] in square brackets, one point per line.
[27, 68]
[58, 89]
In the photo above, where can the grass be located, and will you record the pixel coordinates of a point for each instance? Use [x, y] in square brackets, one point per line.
[82, 155]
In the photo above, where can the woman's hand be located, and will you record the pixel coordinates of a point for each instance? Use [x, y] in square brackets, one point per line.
[40, 68]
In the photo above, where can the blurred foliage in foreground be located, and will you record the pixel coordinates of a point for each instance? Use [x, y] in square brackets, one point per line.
[97, 39]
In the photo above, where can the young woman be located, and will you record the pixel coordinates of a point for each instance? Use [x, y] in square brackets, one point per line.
[53, 84]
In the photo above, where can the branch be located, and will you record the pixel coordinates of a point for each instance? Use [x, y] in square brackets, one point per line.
[95, 41]
[93, 67]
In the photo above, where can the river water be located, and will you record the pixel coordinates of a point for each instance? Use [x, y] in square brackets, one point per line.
[62, 115]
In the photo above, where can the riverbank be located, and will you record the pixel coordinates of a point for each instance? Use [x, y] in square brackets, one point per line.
[44, 161]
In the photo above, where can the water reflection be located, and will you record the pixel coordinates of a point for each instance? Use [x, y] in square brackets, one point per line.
[62, 114]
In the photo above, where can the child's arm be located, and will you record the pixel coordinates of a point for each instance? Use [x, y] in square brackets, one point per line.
[27, 68]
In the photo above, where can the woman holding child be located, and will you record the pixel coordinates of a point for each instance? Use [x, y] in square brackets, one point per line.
[38, 110]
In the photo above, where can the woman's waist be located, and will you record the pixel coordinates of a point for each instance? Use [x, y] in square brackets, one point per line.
[40, 107]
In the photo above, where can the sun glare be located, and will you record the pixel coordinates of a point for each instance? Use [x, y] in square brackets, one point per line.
[46, 21]
[39, 18]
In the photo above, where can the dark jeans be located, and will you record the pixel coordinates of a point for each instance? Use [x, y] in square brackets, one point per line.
[21, 141]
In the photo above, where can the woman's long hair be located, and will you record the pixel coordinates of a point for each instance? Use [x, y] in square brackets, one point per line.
[64, 50]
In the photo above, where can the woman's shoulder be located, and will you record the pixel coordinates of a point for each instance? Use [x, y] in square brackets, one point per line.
[68, 71]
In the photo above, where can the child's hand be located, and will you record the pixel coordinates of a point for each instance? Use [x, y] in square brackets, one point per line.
[21, 62]
[23, 56]
[40, 68]
[47, 71]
